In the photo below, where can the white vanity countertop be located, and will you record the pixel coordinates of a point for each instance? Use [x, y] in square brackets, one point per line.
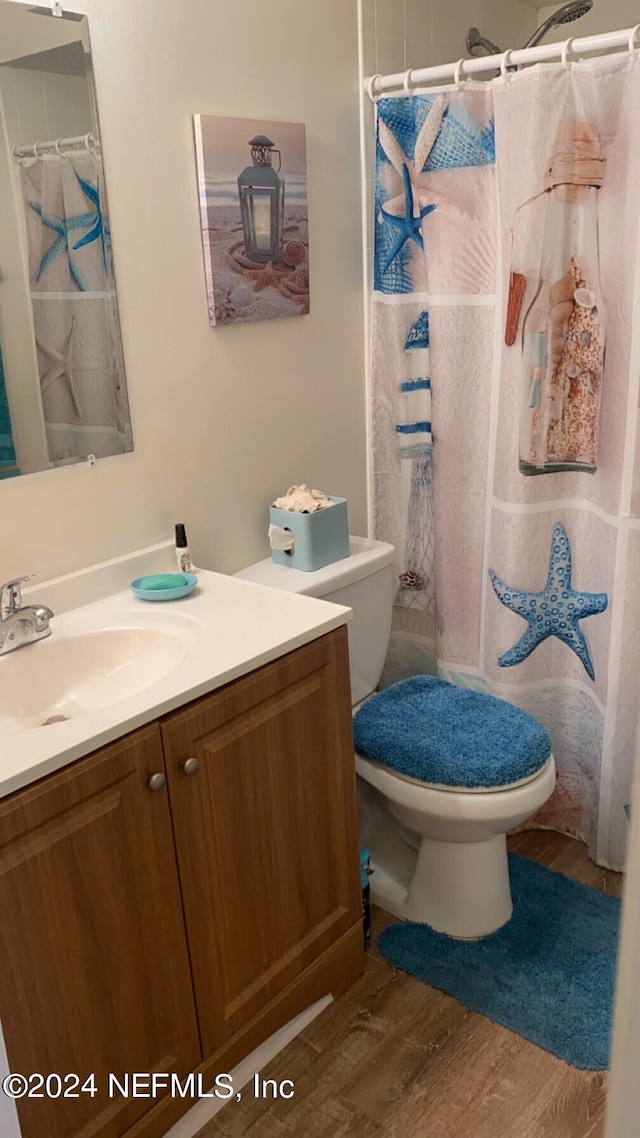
[229, 626]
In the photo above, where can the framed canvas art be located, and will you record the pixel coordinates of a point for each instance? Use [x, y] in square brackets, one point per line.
[252, 184]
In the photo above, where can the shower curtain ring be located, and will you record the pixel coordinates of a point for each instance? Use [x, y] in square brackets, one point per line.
[457, 74]
[505, 62]
[633, 46]
[35, 150]
[370, 85]
[406, 82]
[57, 148]
[567, 48]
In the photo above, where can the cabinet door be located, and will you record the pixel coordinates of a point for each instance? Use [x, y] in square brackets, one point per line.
[265, 830]
[94, 970]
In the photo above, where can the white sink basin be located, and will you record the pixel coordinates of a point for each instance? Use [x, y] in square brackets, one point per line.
[114, 663]
[75, 673]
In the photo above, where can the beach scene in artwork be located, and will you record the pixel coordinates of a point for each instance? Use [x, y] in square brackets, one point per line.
[242, 285]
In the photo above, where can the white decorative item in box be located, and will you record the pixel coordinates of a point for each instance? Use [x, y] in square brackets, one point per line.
[318, 538]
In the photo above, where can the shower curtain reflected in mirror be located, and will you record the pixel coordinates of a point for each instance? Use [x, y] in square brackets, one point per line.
[525, 587]
[75, 307]
[8, 468]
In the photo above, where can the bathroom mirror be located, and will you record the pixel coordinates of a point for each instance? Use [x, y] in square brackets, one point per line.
[63, 395]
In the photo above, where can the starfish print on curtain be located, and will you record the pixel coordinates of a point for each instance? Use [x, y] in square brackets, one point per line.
[98, 222]
[554, 611]
[431, 134]
[425, 141]
[409, 226]
[61, 367]
[61, 226]
[405, 211]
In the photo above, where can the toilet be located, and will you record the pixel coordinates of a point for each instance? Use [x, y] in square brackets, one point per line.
[438, 852]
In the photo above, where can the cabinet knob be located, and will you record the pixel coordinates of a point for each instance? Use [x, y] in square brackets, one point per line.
[157, 782]
[190, 766]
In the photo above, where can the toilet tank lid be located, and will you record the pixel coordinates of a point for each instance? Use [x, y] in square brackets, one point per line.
[366, 556]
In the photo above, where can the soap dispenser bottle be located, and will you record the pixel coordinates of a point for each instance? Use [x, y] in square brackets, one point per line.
[183, 556]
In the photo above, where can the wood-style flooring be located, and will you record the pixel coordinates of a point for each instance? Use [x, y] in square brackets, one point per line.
[394, 1057]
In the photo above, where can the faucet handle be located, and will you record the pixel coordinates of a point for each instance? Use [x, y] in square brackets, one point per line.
[11, 594]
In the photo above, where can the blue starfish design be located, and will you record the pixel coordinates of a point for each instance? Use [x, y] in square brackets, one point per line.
[554, 611]
[408, 226]
[97, 220]
[62, 227]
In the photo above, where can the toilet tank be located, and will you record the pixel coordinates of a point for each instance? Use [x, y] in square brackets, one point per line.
[363, 582]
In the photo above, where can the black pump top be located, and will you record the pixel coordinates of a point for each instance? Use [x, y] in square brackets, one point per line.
[181, 536]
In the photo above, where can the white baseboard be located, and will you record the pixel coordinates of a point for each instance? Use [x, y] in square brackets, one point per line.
[203, 1111]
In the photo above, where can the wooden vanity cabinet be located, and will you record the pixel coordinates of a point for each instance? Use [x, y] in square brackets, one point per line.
[171, 926]
[265, 831]
[94, 969]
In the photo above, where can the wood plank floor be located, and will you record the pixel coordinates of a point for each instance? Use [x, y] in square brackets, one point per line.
[393, 1057]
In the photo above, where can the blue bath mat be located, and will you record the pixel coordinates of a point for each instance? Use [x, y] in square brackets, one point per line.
[548, 975]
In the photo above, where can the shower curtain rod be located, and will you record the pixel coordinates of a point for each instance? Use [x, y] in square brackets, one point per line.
[55, 146]
[465, 68]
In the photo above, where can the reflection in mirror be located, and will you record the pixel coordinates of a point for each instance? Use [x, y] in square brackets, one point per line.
[63, 392]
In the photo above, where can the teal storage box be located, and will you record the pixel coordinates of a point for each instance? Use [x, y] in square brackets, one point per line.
[319, 538]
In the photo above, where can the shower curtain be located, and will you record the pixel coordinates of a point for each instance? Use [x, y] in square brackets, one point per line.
[75, 308]
[526, 587]
[8, 467]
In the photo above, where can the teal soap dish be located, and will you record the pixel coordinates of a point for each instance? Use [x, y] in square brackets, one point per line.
[164, 586]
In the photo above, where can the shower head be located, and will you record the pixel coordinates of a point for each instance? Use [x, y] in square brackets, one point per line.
[564, 15]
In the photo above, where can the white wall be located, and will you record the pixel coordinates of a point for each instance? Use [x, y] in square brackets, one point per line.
[623, 1099]
[605, 16]
[9, 1125]
[39, 105]
[435, 31]
[224, 418]
[22, 35]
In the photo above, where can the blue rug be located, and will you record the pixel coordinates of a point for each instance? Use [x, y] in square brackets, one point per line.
[548, 975]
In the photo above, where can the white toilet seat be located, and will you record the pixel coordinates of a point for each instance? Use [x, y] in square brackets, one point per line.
[447, 788]
[453, 802]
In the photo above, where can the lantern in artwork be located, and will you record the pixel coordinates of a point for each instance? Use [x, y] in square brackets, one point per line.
[261, 193]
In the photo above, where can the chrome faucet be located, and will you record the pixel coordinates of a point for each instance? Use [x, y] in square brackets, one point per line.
[21, 624]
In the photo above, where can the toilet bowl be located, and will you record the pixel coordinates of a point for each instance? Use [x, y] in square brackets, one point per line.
[438, 854]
